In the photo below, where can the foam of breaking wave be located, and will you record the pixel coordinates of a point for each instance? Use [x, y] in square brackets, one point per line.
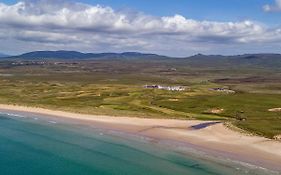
[51, 121]
[239, 166]
[12, 115]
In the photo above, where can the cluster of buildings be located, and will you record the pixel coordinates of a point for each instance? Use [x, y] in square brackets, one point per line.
[28, 63]
[36, 62]
[225, 90]
[169, 88]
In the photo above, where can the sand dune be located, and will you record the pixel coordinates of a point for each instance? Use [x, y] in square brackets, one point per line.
[211, 137]
[275, 110]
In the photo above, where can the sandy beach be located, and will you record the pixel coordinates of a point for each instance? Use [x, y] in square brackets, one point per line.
[211, 137]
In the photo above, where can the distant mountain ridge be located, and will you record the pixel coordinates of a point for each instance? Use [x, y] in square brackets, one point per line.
[62, 54]
[264, 60]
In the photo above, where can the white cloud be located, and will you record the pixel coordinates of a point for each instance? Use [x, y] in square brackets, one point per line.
[273, 7]
[61, 25]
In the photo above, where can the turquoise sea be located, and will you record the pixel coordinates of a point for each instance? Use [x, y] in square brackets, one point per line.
[31, 145]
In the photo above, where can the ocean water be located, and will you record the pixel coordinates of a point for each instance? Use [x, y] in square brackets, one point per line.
[31, 145]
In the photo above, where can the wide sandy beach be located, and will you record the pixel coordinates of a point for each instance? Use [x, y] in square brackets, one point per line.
[213, 138]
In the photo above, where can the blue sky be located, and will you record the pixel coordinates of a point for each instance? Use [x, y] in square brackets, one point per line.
[219, 10]
[252, 27]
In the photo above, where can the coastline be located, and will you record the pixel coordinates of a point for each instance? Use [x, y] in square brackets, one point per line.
[212, 138]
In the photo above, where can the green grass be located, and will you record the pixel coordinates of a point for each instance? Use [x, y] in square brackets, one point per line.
[137, 101]
[251, 108]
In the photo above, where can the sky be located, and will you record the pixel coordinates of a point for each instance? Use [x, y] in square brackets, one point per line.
[167, 27]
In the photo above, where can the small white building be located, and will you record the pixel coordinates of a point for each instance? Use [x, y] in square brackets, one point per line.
[169, 88]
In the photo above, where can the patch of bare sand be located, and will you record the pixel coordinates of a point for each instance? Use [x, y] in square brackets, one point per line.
[275, 110]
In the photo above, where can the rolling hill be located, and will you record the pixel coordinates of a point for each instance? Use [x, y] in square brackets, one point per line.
[62, 54]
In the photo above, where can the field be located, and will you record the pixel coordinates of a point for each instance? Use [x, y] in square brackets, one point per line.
[116, 87]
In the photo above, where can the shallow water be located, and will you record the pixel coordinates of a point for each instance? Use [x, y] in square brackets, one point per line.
[34, 145]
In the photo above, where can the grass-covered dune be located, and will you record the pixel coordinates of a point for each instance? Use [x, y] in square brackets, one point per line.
[116, 87]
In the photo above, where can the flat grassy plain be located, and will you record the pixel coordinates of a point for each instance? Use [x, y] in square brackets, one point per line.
[115, 87]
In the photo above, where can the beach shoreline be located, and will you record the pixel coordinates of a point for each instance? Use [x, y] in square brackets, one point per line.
[211, 137]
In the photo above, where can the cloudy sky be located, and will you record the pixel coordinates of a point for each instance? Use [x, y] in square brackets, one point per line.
[170, 27]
